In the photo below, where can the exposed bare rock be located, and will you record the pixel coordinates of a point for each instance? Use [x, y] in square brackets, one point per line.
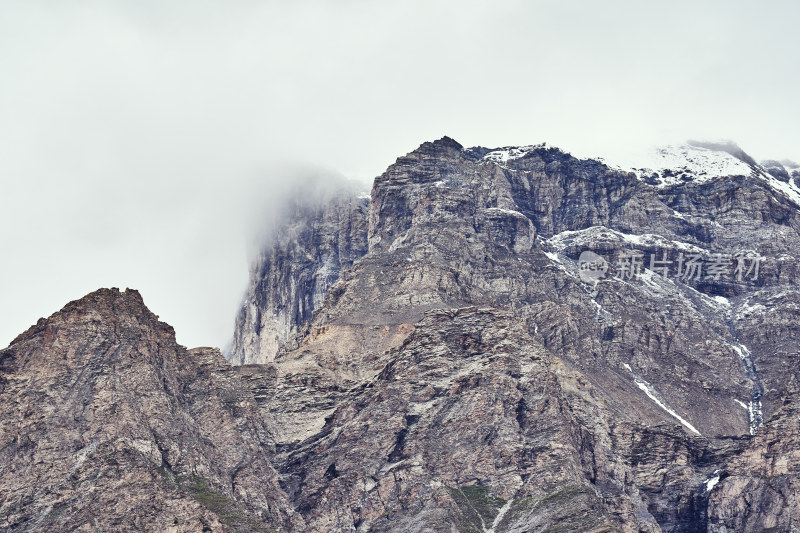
[442, 356]
[663, 378]
[107, 424]
[469, 415]
[758, 489]
[316, 240]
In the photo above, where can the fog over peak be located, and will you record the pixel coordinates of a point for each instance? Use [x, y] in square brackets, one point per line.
[148, 145]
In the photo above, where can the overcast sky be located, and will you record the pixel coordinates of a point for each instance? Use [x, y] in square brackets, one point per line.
[143, 142]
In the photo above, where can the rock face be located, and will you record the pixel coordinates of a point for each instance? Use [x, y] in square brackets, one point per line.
[315, 242]
[496, 340]
[464, 361]
[107, 424]
[757, 490]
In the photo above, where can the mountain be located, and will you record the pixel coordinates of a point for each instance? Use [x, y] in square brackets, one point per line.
[504, 340]
[653, 382]
[107, 424]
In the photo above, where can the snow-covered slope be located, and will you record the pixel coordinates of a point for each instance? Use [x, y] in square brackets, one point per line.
[503, 155]
[704, 162]
[671, 165]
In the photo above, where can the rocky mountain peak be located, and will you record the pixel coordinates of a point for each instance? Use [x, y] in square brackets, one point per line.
[780, 171]
[107, 304]
[443, 146]
[498, 339]
[100, 399]
[104, 316]
[503, 230]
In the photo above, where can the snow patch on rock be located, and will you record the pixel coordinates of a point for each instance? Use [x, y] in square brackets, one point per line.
[653, 395]
[500, 514]
[673, 165]
[589, 236]
[711, 482]
[503, 155]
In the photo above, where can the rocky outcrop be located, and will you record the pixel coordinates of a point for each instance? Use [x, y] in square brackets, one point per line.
[473, 424]
[757, 489]
[106, 424]
[315, 240]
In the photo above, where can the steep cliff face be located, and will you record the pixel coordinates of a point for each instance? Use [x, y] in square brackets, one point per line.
[474, 425]
[758, 489]
[315, 241]
[661, 376]
[106, 424]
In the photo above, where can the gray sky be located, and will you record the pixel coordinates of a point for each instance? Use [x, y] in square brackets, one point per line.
[142, 143]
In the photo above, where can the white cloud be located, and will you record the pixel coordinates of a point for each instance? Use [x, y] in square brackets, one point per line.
[134, 135]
